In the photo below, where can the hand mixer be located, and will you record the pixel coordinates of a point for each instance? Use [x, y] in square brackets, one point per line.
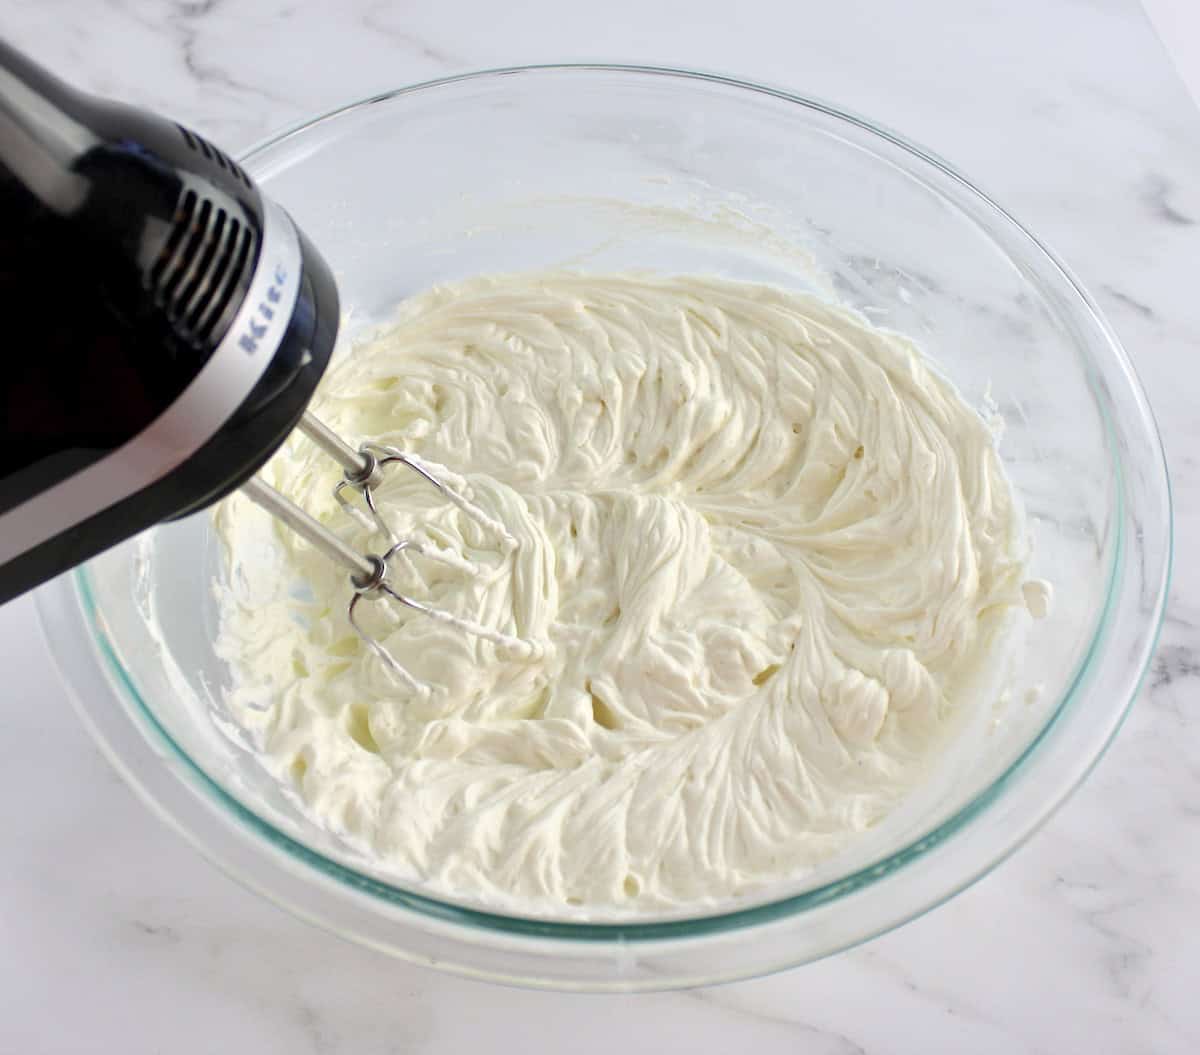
[167, 325]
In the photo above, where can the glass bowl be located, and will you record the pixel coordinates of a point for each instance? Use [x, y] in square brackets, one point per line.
[618, 168]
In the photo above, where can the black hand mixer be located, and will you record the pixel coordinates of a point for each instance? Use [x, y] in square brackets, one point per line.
[166, 327]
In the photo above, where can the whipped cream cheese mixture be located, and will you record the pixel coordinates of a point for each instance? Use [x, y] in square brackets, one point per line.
[762, 549]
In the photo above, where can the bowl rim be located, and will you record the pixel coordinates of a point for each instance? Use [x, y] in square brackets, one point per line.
[634, 930]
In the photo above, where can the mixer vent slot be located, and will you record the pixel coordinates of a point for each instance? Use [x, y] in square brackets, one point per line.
[219, 158]
[203, 262]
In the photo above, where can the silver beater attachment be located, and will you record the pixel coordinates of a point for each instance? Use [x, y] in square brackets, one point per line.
[362, 473]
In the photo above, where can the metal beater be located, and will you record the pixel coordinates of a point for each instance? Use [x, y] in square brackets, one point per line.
[362, 473]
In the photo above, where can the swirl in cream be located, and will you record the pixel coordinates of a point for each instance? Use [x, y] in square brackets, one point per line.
[764, 546]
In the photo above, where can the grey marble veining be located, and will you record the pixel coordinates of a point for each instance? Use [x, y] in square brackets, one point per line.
[114, 935]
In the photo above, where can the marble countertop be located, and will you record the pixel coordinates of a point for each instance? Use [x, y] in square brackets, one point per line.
[115, 935]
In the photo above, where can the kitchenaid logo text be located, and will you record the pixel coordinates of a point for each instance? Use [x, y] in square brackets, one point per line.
[264, 315]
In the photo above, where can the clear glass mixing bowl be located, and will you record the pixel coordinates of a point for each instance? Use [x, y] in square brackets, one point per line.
[616, 168]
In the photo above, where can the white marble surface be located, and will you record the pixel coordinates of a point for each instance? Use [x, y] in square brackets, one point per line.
[115, 936]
